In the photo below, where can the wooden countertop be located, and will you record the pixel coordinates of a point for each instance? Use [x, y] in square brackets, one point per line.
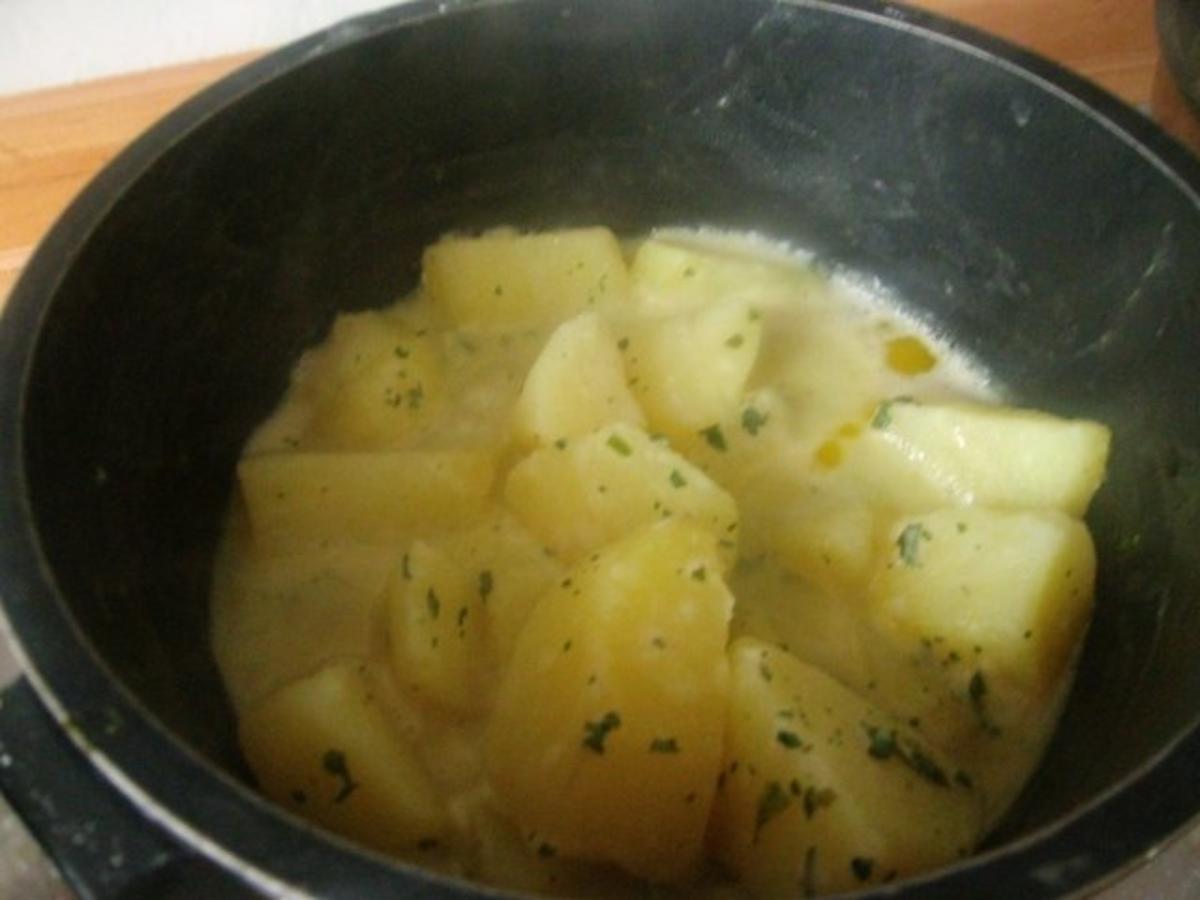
[53, 141]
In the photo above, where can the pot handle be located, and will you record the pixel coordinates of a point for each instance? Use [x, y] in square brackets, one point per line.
[101, 845]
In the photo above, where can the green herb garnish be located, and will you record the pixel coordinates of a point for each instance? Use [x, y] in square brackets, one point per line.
[909, 542]
[789, 739]
[334, 762]
[664, 745]
[715, 437]
[861, 867]
[771, 802]
[752, 420]
[619, 444]
[596, 733]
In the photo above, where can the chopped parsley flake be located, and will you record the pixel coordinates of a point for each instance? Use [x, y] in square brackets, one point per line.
[334, 762]
[561, 443]
[404, 570]
[883, 414]
[545, 851]
[595, 733]
[619, 444]
[715, 437]
[977, 690]
[752, 420]
[401, 352]
[771, 802]
[664, 745]
[734, 341]
[884, 745]
[432, 603]
[909, 542]
[677, 479]
[485, 585]
[789, 739]
[816, 800]
[428, 843]
[623, 344]
[862, 866]
[699, 573]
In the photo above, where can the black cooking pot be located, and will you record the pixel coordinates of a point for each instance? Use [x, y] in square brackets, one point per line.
[1051, 232]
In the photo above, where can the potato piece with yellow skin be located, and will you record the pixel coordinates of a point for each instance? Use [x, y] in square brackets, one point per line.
[606, 735]
[821, 791]
[325, 748]
[576, 385]
[689, 370]
[436, 631]
[303, 499]
[579, 495]
[506, 278]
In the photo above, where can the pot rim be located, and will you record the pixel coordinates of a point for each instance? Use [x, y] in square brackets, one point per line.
[207, 810]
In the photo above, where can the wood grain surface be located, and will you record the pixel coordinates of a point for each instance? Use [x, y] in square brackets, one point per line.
[53, 141]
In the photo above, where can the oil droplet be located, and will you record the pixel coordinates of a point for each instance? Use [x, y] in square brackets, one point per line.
[909, 356]
[829, 454]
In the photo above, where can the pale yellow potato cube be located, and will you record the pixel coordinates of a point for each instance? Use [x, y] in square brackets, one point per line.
[1008, 590]
[576, 385]
[578, 495]
[688, 371]
[436, 631]
[923, 455]
[506, 278]
[606, 736]
[670, 275]
[326, 748]
[375, 385]
[330, 600]
[822, 792]
[300, 499]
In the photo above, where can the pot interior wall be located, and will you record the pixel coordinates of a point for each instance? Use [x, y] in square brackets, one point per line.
[1048, 248]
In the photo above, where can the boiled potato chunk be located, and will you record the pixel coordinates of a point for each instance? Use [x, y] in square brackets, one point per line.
[330, 600]
[375, 384]
[578, 495]
[510, 570]
[325, 748]
[576, 385]
[297, 499]
[1009, 589]
[606, 736]
[506, 278]
[967, 454]
[689, 370]
[821, 791]
[437, 630]
[978, 616]
[670, 275]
